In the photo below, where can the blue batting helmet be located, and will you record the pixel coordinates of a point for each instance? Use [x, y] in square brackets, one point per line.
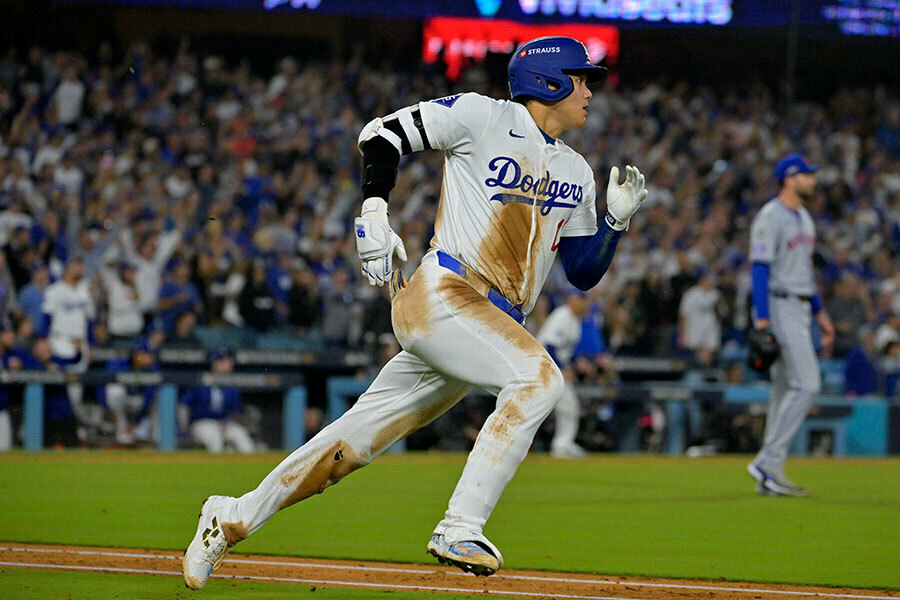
[546, 60]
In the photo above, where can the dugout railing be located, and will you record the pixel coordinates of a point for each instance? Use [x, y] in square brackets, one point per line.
[858, 426]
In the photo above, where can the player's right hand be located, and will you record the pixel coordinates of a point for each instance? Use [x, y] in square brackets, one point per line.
[623, 200]
[376, 242]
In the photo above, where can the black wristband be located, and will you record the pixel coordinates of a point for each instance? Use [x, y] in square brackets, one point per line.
[611, 220]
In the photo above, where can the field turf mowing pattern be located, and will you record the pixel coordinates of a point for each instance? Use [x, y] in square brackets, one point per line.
[656, 516]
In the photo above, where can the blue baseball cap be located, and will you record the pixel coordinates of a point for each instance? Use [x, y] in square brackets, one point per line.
[142, 344]
[792, 164]
[219, 354]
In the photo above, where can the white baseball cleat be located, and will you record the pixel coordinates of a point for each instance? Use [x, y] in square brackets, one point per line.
[209, 546]
[466, 549]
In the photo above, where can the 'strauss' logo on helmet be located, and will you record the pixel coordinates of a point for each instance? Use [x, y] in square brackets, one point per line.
[547, 50]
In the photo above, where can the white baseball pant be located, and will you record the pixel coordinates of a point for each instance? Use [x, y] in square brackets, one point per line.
[453, 338]
[212, 434]
[568, 414]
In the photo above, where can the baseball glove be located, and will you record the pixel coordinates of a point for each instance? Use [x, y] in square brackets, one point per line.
[763, 349]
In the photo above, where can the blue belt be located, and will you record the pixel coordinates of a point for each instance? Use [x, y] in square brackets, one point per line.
[495, 297]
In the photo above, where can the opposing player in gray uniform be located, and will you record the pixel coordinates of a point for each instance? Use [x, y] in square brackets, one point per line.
[782, 240]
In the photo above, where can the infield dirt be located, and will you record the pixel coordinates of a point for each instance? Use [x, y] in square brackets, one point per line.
[409, 577]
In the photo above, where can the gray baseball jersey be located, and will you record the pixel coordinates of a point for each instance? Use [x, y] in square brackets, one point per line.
[785, 239]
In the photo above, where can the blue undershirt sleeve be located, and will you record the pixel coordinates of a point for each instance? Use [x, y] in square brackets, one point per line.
[760, 275]
[591, 343]
[43, 328]
[816, 303]
[586, 258]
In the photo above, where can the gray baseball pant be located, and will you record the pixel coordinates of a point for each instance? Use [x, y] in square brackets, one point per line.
[795, 380]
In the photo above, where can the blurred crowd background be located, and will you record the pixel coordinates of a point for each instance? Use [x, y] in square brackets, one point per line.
[201, 201]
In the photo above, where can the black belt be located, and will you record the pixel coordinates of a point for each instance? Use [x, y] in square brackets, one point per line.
[496, 298]
[783, 294]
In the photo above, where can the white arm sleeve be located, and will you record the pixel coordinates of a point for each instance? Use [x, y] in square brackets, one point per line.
[165, 247]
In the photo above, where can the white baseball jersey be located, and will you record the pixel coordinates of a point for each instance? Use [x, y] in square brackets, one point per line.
[509, 193]
[71, 309]
[562, 330]
[785, 239]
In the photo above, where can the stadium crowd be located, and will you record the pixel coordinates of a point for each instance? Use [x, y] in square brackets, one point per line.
[181, 194]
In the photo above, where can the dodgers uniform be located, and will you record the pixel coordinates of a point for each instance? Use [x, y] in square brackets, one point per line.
[784, 240]
[210, 408]
[509, 194]
[559, 335]
[70, 309]
[511, 197]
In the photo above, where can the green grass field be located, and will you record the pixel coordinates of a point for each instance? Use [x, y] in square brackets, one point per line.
[656, 516]
[16, 584]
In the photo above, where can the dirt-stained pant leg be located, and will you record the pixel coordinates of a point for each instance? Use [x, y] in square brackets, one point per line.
[468, 338]
[797, 373]
[453, 338]
[405, 396]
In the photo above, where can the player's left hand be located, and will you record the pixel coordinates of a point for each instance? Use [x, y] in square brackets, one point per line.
[623, 200]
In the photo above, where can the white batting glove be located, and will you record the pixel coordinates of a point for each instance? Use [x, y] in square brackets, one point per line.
[623, 200]
[376, 242]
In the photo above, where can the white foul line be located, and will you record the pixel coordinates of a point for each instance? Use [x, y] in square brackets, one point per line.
[426, 571]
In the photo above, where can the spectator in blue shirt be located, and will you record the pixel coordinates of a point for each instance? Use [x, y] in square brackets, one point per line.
[177, 295]
[60, 427]
[860, 374]
[890, 366]
[31, 296]
[211, 410]
[130, 405]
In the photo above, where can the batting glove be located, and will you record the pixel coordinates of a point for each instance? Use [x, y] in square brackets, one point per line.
[623, 200]
[376, 242]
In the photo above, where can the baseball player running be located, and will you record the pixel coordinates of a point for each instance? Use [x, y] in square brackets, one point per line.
[513, 196]
[782, 239]
[559, 335]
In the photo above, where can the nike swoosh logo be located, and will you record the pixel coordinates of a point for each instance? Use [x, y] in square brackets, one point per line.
[511, 134]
